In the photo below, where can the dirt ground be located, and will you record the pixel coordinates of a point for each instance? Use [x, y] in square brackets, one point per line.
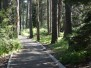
[4, 61]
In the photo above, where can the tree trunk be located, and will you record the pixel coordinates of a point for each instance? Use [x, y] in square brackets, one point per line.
[0, 10]
[37, 20]
[27, 15]
[18, 19]
[5, 4]
[54, 21]
[41, 12]
[30, 20]
[67, 24]
[50, 28]
[48, 25]
[59, 15]
[20, 16]
[23, 15]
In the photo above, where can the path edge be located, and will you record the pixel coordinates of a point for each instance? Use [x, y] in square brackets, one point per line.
[53, 58]
[8, 64]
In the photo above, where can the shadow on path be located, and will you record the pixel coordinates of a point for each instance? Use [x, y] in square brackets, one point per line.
[31, 56]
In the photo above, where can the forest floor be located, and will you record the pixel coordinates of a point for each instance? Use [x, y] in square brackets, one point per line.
[4, 61]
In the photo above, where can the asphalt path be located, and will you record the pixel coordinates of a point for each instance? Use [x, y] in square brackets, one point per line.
[32, 55]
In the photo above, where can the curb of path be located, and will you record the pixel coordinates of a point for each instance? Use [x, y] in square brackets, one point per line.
[9, 60]
[53, 58]
[11, 55]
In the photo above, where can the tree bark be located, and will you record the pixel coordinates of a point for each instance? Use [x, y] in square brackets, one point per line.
[37, 20]
[0, 10]
[41, 12]
[50, 28]
[48, 25]
[67, 23]
[5, 4]
[18, 19]
[54, 21]
[30, 20]
[59, 15]
[20, 16]
[27, 15]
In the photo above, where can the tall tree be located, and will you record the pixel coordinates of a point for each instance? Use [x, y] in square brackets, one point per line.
[0, 10]
[67, 23]
[30, 20]
[50, 15]
[59, 15]
[27, 14]
[20, 12]
[37, 20]
[5, 4]
[18, 19]
[0, 5]
[54, 21]
[48, 25]
[23, 14]
[41, 12]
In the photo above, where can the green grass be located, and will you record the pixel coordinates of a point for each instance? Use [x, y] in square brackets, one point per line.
[7, 46]
[44, 37]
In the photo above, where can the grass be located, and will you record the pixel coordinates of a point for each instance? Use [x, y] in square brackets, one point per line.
[44, 37]
[6, 46]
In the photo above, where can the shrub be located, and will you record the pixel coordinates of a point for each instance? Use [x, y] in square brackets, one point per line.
[73, 57]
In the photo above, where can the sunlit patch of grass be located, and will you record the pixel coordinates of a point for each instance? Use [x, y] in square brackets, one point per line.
[25, 32]
[61, 36]
[7, 46]
[60, 46]
[45, 39]
[34, 31]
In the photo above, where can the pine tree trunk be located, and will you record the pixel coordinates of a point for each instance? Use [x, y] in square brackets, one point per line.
[37, 20]
[41, 12]
[20, 16]
[67, 24]
[5, 4]
[48, 25]
[18, 19]
[50, 3]
[0, 10]
[23, 19]
[30, 20]
[27, 15]
[59, 15]
[54, 21]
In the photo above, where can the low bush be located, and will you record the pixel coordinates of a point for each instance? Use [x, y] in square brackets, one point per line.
[73, 57]
[67, 55]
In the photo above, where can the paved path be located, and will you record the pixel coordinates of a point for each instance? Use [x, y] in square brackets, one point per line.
[33, 55]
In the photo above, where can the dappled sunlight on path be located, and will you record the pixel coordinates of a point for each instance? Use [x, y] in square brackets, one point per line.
[32, 55]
